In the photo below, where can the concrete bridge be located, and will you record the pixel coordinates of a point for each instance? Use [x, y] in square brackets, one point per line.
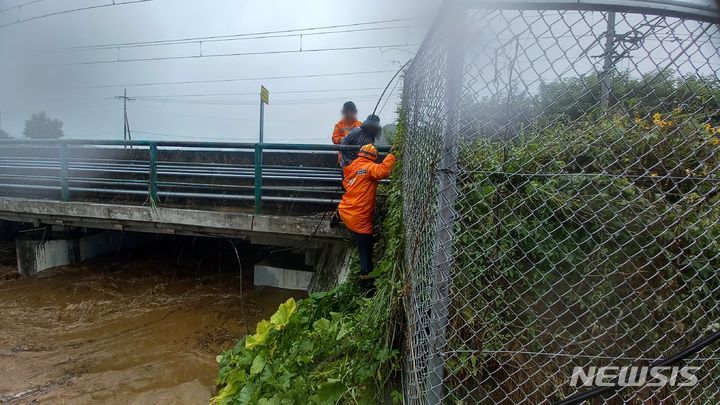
[265, 194]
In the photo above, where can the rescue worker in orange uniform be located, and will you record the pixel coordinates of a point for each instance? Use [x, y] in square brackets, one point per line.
[347, 123]
[358, 204]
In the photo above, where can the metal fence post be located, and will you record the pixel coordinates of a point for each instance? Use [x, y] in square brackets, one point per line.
[443, 255]
[64, 182]
[153, 188]
[258, 177]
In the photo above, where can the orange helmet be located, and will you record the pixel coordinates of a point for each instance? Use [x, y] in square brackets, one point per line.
[369, 151]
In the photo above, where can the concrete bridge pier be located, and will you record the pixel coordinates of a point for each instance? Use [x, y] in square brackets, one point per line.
[332, 265]
[324, 267]
[45, 248]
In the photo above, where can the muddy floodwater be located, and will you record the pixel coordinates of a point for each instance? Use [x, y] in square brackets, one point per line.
[139, 327]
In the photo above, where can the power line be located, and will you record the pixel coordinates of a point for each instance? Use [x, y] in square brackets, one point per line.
[161, 58]
[335, 97]
[253, 102]
[255, 93]
[252, 35]
[112, 4]
[17, 6]
[238, 79]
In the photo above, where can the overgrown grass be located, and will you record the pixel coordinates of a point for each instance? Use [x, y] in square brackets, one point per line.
[602, 232]
[333, 347]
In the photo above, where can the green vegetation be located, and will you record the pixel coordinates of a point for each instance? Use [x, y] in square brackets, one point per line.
[602, 230]
[336, 346]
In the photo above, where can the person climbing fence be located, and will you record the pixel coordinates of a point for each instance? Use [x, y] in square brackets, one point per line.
[357, 207]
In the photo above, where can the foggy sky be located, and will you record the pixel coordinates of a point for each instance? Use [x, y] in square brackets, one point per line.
[34, 79]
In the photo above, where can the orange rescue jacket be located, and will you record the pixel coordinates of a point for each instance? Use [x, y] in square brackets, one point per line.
[342, 129]
[361, 181]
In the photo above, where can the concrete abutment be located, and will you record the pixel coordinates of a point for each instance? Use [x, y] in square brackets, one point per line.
[42, 249]
[311, 266]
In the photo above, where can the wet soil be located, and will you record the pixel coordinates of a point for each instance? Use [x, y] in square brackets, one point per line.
[129, 328]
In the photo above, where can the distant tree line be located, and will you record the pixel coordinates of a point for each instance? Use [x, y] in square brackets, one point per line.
[40, 126]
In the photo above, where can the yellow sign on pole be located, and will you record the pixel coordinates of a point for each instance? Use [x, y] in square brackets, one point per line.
[264, 95]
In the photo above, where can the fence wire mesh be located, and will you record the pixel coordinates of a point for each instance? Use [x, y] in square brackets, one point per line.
[561, 203]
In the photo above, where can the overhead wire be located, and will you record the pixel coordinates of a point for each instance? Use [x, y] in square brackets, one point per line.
[252, 35]
[253, 93]
[98, 6]
[252, 102]
[8, 8]
[236, 54]
[146, 84]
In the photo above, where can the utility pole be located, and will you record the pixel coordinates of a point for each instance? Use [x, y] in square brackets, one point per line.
[609, 63]
[127, 136]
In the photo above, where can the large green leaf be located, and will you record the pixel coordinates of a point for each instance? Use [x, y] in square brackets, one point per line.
[321, 325]
[281, 318]
[261, 333]
[246, 393]
[258, 365]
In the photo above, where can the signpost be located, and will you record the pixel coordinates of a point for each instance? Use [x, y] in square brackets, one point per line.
[264, 99]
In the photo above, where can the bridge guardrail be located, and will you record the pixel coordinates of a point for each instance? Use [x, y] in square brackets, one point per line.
[62, 164]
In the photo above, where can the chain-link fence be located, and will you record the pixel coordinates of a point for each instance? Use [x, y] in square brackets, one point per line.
[561, 203]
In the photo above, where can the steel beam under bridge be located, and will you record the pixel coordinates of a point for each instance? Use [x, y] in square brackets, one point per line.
[259, 229]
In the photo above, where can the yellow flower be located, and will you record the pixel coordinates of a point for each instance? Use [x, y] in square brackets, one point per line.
[653, 174]
[714, 141]
[657, 120]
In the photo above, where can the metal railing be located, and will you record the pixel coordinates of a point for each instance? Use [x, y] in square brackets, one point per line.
[135, 168]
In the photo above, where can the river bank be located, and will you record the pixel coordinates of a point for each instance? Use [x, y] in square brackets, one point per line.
[139, 327]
